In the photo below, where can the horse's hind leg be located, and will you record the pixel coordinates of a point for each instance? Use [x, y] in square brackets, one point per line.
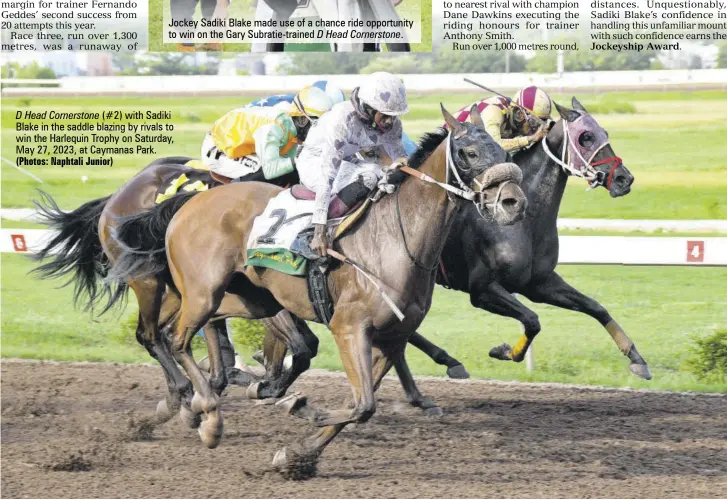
[196, 310]
[455, 369]
[555, 291]
[150, 295]
[292, 332]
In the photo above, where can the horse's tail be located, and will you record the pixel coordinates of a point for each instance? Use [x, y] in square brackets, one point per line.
[76, 250]
[141, 239]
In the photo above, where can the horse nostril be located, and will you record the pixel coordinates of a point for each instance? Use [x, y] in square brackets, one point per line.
[509, 203]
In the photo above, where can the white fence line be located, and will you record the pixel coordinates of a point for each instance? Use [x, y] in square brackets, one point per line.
[624, 250]
[190, 84]
[649, 226]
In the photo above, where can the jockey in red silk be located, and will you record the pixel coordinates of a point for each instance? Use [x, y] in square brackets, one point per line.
[508, 122]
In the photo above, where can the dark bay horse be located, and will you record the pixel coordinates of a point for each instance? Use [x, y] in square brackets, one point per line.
[412, 224]
[491, 263]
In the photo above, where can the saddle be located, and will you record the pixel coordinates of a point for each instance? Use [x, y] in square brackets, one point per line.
[296, 257]
[340, 217]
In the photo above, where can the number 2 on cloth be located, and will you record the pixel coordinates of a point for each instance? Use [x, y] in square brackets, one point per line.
[267, 238]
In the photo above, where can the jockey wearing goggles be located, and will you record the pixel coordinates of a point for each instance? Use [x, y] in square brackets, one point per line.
[515, 124]
[260, 143]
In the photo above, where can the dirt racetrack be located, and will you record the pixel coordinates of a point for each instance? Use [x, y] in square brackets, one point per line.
[70, 430]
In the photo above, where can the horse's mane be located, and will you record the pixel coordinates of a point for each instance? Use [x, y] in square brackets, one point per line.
[428, 143]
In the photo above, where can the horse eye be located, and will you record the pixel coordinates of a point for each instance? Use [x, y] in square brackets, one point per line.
[471, 154]
[585, 138]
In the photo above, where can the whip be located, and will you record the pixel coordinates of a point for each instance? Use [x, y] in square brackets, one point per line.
[387, 299]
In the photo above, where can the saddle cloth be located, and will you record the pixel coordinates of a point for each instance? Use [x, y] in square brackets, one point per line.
[274, 232]
[197, 178]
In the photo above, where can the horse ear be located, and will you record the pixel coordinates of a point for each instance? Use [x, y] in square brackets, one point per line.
[577, 105]
[567, 114]
[454, 125]
[476, 117]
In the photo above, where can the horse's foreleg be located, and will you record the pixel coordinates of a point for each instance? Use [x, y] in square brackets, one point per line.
[555, 291]
[354, 346]
[413, 395]
[455, 369]
[213, 331]
[495, 299]
[300, 461]
[233, 374]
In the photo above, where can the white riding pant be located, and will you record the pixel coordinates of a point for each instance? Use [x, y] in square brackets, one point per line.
[221, 164]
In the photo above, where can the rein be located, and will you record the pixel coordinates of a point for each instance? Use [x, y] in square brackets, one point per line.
[463, 191]
[591, 175]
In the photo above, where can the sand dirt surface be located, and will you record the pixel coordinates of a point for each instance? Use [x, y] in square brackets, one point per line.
[74, 430]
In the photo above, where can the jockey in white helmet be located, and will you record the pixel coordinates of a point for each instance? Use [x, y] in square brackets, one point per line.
[370, 118]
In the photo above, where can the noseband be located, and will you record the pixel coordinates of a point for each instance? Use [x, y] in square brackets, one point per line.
[593, 176]
[463, 191]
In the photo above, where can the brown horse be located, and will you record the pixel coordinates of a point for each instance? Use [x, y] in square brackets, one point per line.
[83, 248]
[206, 256]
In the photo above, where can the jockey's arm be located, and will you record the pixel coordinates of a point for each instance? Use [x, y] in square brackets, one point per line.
[493, 117]
[269, 139]
[392, 142]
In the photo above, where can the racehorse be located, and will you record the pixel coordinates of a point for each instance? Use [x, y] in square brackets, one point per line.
[83, 249]
[412, 224]
[492, 262]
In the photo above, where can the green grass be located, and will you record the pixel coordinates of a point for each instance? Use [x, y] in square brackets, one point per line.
[658, 307]
[674, 144]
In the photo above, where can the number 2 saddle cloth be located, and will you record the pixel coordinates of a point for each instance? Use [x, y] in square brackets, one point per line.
[280, 235]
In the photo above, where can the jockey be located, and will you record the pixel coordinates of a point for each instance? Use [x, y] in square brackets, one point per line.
[259, 144]
[370, 118]
[508, 121]
[334, 93]
[536, 101]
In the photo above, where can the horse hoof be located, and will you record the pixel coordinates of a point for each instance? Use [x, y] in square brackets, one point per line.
[640, 371]
[259, 356]
[235, 376]
[191, 419]
[253, 391]
[434, 411]
[211, 430]
[162, 407]
[502, 352]
[292, 403]
[458, 372]
[293, 465]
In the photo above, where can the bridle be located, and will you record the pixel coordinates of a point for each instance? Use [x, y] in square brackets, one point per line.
[463, 191]
[593, 176]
